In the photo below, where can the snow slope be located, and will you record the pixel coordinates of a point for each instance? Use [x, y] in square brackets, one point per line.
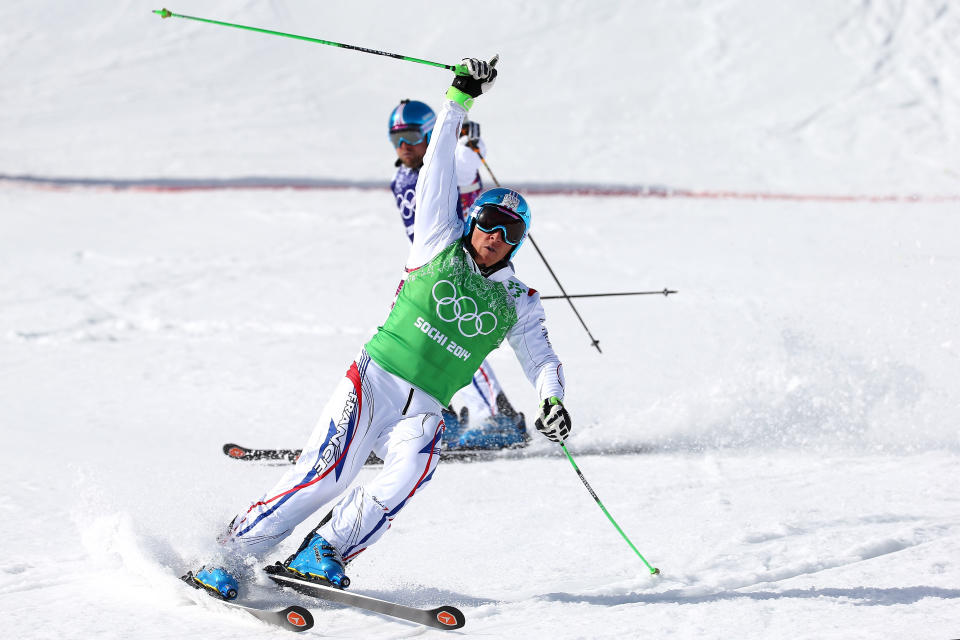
[836, 97]
[796, 403]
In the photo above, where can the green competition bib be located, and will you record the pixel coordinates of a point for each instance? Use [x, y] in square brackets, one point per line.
[445, 321]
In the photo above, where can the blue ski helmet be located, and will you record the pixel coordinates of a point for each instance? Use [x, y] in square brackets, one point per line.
[498, 209]
[411, 122]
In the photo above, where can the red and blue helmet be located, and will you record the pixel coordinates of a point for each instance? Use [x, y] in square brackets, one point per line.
[500, 209]
[411, 122]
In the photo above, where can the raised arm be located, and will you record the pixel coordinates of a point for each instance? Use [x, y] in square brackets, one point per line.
[437, 223]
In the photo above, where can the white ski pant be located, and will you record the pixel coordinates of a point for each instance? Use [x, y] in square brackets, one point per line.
[480, 396]
[371, 410]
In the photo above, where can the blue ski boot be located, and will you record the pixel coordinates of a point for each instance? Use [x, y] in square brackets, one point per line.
[319, 561]
[496, 432]
[216, 581]
[453, 427]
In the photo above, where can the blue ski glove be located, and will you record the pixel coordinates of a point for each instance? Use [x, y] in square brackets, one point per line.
[479, 78]
[553, 421]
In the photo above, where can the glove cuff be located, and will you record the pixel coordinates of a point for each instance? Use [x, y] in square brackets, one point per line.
[465, 100]
[550, 400]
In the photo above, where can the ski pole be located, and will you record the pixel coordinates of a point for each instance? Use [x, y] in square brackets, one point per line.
[653, 570]
[459, 69]
[593, 341]
[665, 292]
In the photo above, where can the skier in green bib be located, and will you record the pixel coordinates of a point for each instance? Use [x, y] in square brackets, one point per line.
[458, 302]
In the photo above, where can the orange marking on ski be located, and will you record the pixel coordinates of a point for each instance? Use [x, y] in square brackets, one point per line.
[296, 619]
[446, 618]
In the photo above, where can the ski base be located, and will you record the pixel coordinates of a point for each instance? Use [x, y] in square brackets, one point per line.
[445, 617]
[293, 618]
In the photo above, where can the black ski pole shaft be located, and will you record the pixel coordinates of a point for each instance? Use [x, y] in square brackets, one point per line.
[664, 292]
[653, 570]
[593, 341]
[456, 68]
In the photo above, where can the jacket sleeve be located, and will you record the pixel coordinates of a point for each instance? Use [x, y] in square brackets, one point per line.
[531, 343]
[437, 223]
[468, 164]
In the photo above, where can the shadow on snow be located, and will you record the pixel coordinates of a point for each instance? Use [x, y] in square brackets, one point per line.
[859, 596]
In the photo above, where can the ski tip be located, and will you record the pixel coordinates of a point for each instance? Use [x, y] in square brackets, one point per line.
[234, 450]
[448, 617]
[297, 618]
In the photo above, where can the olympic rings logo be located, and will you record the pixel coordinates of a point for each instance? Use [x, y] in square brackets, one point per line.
[462, 310]
[407, 203]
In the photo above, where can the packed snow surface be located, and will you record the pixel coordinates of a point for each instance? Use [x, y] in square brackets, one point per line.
[780, 438]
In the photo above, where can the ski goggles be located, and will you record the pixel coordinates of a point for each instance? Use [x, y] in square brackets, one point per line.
[491, 218]
[410, 135]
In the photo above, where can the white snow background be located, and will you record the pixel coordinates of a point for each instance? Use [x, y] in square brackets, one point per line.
[780, 438]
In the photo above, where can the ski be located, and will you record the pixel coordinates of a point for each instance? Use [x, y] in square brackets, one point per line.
[444, 617]
[289, 456]
[238, 452]
[293, 618]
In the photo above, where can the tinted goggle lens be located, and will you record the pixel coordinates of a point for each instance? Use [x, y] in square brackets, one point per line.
[491, 217]
[410, 136]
